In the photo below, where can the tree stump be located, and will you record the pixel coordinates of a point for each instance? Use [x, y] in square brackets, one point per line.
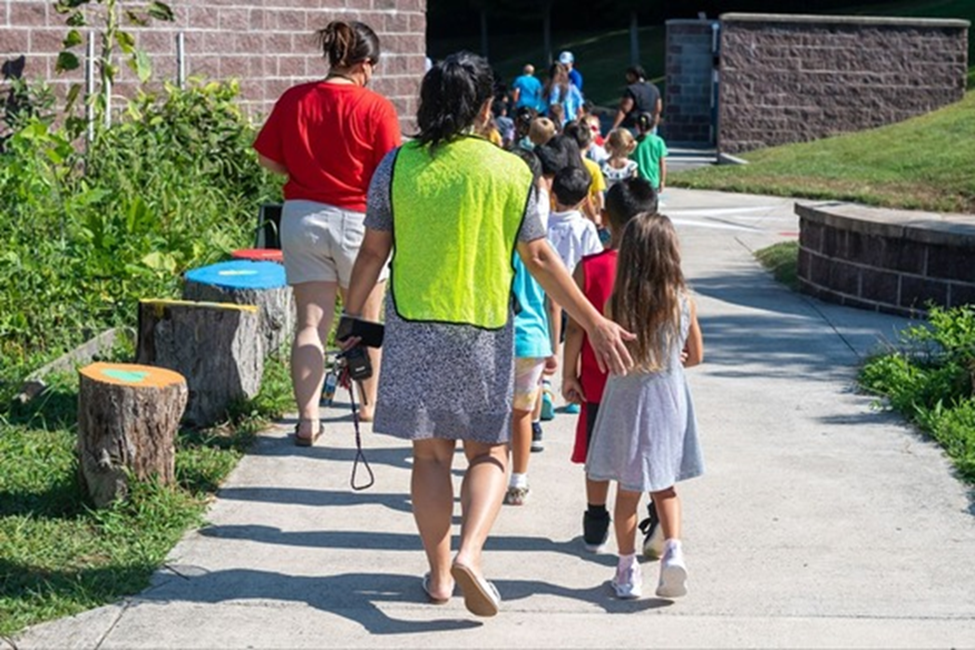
[246, 282]
[216, 346]
[128, 416]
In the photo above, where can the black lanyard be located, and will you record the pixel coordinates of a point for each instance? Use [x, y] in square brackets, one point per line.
[345, 381]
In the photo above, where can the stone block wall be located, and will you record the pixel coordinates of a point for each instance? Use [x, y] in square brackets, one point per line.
[796, 78]
[886, 260]
[268, 45]
[689, 69]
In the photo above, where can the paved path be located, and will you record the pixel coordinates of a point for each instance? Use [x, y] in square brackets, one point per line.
[820, 522]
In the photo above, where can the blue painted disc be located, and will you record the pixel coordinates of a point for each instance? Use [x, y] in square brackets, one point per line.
[240, 274]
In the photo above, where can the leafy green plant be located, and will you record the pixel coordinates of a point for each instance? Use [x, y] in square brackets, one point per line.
[172, 186]
[112, 37]
[928, 378]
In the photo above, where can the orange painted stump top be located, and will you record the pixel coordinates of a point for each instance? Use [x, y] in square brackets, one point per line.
[131, 374]
[259, 254]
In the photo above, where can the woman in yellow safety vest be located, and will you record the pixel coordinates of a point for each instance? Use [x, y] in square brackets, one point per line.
[453, 209]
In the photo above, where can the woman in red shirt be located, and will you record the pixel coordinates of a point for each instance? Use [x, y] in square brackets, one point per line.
[328, 137]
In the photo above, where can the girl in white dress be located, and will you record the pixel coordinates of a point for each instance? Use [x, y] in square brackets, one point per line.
[619, 145]
[645, 436]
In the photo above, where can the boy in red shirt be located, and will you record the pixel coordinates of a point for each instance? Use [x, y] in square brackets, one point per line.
[582, 381]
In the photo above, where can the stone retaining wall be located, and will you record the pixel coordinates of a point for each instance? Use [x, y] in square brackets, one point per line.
[268, 45]
[795, 78]
[886, 260]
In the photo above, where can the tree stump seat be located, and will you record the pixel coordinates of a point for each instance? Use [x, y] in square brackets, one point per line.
[218, 347]
[248, 282]
[128, 417]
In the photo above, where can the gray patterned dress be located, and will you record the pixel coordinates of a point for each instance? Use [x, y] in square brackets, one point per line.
[439, 380]
[645, 436]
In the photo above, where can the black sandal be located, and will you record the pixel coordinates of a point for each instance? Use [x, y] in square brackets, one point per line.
[304, 441]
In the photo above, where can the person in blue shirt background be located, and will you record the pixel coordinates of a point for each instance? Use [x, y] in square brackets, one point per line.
[569, 61]
[527, 90]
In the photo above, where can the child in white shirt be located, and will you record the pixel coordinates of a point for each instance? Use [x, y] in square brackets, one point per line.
[569, 232]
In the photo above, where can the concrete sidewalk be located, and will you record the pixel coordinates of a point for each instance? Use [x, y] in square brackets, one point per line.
[820, 522]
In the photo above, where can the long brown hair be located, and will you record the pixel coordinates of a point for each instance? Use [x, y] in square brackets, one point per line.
[649, 282]
[558, 76]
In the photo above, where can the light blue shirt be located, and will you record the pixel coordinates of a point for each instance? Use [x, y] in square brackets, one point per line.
[531, 92]
[571, 102]
[531, 319]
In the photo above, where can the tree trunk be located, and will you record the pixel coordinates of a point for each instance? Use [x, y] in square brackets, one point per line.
[277, 307]
[128, 416]
[634, 39]
[217, 347]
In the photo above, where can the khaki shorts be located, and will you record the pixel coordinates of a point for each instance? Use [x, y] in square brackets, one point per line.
[528, 382]
[320, 242]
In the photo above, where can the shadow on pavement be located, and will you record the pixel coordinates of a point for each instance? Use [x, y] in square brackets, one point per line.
[359, 596]
[601, 595]
[385, 541]
[309, 497]
[355, 596]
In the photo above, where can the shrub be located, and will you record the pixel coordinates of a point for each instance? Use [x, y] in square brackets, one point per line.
[84, 236]
[929, 380]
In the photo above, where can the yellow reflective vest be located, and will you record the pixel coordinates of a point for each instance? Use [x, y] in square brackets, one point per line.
[457, 211]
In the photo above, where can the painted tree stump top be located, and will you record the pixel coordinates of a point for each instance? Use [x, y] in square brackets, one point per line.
[240, 274]
[259, 254]
[131, 374]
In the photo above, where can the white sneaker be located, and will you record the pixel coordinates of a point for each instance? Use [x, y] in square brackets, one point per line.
[628, 583]
[673, 571]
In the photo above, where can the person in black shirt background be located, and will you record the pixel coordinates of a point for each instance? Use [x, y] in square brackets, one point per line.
[640, 96]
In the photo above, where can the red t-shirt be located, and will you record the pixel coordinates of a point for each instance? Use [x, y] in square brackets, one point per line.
[599, 271]
[330, 137]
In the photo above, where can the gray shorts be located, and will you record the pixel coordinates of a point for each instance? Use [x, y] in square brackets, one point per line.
[320, 242]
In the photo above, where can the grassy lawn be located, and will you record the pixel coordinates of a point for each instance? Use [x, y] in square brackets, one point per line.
[782, 260]
[57, 556]
[924, 163]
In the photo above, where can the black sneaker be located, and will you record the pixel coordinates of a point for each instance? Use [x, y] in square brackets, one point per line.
[537, 444]
[595, 530]
[653, 534]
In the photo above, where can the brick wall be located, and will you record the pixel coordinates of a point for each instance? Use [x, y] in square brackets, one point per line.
[886, 260]
[796, 78]
[268, 45]
[689, 68]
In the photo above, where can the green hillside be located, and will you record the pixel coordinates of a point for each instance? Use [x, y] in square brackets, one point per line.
[924, 163]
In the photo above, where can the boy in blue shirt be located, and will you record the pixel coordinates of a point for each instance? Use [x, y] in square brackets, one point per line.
[533, 357]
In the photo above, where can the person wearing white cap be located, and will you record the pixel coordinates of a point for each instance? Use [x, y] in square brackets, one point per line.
[569, 61]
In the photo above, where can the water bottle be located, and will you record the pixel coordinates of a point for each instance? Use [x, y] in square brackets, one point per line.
[328, 389]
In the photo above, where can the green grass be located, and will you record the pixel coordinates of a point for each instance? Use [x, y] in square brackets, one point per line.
[924, 163]
[57, 556]
[782, 260]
